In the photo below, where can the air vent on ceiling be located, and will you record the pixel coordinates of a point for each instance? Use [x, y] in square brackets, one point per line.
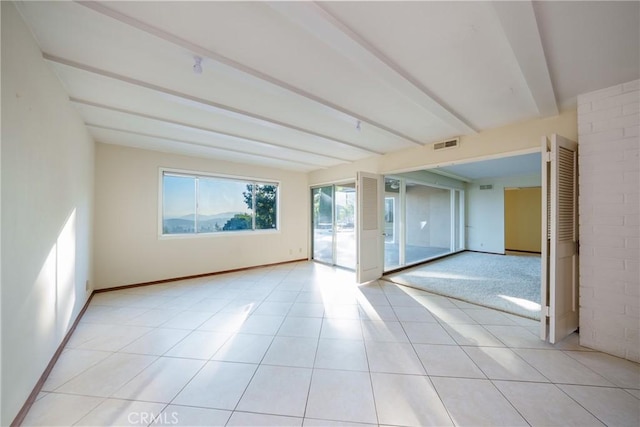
[486, 187]
[452, 143]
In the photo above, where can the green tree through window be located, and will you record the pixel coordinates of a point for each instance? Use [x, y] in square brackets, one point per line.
[265, 206]
[264, 209]
[238, 222]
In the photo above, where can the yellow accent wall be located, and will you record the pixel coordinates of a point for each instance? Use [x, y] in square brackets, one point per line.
[522, 219]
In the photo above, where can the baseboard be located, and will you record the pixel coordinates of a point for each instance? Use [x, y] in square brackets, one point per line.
[19, 419]
[503, 253]
[195, 276]
[419, 263]
[484, 252]
[524, 252]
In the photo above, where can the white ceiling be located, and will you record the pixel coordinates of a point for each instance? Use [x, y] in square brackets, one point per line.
[525, 164]
[303, 86]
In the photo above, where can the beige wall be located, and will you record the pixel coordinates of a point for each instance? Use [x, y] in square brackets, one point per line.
[485, 219]
[523, 219]
[502, 141]
[47, 197]
[128, 248]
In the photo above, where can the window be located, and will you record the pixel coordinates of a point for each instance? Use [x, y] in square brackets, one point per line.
[423, 219]
[198, 204]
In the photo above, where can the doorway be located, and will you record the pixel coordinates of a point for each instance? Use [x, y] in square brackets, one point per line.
[497, 214]
[333, 218]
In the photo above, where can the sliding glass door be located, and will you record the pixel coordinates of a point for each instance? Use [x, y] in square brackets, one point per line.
[421, 221]
[323, 224]
[427, 222]
[345, 231]
[392, 235]
[333, 219]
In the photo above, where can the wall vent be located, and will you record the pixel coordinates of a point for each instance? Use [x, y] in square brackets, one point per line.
[452, 143]
[486, 187]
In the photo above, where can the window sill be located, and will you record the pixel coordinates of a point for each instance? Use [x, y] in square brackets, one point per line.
[217, 235]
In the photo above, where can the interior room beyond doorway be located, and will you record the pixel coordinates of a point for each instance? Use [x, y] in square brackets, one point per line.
[499, 211]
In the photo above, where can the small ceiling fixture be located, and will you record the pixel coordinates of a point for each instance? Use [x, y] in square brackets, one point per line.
[197, 67]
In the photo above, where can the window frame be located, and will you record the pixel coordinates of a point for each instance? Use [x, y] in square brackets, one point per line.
[198, 174]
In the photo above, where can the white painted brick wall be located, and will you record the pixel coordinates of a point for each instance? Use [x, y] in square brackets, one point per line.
[609, 169]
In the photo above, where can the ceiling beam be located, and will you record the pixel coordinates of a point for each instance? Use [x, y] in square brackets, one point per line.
[449, 174]
[519, 24]
[200, 144]
[213, 132]
[213, 56]
[329, 29]
[241, 114]
[161, 145]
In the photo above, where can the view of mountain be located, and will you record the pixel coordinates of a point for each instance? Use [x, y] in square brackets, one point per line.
[223, 215]
[206, 223]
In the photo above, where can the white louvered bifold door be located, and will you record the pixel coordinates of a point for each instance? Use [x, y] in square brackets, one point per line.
[560, 254]
[369, 228]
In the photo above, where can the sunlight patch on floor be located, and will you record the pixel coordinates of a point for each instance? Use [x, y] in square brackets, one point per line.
[526, 304]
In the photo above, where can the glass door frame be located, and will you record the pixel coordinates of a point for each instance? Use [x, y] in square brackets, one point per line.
[457, 218]
[334, 228]
[314, 223]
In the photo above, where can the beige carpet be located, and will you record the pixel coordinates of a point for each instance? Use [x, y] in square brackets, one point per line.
[509, 283]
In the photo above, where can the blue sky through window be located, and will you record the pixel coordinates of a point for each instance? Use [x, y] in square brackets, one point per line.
[215, 196]
[218, 196]
[178, 196]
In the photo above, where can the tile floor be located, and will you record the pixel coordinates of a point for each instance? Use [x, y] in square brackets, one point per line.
[301, 345]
